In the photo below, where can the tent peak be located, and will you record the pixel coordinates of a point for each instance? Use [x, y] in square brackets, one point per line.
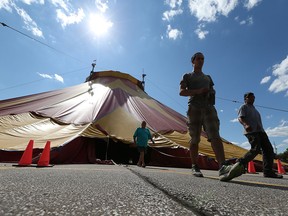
[117, 74]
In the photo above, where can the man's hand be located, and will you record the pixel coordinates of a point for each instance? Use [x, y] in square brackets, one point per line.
[248, 128]
[192, 92]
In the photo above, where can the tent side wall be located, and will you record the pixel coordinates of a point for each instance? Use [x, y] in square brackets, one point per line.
[83, 150]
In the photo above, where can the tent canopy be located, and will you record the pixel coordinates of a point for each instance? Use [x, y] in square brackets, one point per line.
[109, 104]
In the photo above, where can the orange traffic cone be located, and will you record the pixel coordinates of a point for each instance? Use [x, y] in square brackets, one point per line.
[251, 167]
[281, 169]
[26, 158]
[45, 156]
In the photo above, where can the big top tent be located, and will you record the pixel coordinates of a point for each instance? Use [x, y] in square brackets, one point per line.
[97, 119]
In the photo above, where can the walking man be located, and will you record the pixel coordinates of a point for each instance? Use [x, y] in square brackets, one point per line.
[250, 118]
[141, 137]
[202, 113]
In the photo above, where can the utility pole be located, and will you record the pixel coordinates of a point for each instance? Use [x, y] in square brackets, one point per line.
[93, 66]
[91, 72]
[143, 80]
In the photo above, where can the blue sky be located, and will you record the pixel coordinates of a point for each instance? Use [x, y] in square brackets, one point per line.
[244, 43]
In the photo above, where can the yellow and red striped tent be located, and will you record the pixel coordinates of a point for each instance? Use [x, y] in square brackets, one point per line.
[110, 104]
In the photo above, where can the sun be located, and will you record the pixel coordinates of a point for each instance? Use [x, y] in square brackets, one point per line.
[99, 25]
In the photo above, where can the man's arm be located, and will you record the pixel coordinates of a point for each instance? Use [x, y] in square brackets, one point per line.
[134, 138]
[186, 92]
[245, 124]
[150, 137]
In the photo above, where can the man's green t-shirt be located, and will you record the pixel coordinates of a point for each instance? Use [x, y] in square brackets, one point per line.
[142, 135]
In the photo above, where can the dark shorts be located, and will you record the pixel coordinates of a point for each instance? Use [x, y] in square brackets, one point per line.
[206, 117]
[142, 149]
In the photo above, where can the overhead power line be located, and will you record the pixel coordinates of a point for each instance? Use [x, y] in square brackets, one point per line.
[265, 107]
[5, 25]
[234, 101]
[27, 83]
[26, 35]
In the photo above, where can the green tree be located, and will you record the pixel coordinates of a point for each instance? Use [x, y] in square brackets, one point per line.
[283, 156]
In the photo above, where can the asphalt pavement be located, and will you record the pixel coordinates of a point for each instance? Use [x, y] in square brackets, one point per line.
[88, 189]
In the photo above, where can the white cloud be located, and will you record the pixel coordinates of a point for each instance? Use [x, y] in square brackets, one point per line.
[243, 22]
[6, 4]
[200, 32]
[209, 10]
[30, 24]
[102, 5]
[168, 15]
[45, 76]
[248, 21]
[173, 33]
[70, 17]
[36, 31]
[24, 15]
[29, 2]
[66, 15]
[54, 77]
[280, 71]
[249, 4]
[279, 131]
[58, 78]
[60, 3]
[234, 120]
[265, 79]
[283, 145]
[245, 145]
[174, 3]
[175, 6]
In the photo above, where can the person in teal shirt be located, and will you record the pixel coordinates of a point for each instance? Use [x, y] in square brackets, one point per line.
[141, 137]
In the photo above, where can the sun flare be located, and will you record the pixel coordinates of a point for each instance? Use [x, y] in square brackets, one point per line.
[99, 25]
